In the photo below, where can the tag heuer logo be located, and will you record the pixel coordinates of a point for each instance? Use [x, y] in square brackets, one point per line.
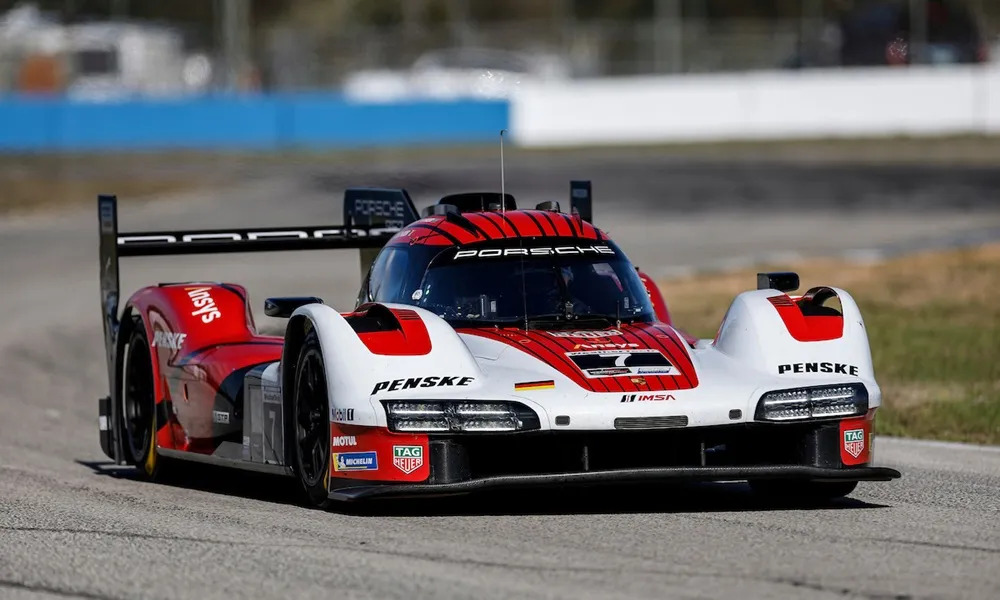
[854, 442]
[408, 458]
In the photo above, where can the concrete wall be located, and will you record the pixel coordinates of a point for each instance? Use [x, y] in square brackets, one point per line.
[764, 105]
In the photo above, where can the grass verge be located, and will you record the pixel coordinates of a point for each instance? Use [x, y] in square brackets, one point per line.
[933, 322]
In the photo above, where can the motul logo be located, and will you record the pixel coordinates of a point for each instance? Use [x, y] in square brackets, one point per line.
[343, 440]
[647, 397]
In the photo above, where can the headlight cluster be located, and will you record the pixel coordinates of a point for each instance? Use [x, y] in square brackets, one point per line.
[823, 402]
[436, 416]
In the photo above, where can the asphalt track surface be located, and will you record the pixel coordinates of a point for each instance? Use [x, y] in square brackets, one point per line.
[72, 525]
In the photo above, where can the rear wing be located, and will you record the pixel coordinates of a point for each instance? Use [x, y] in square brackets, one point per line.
[371, 217]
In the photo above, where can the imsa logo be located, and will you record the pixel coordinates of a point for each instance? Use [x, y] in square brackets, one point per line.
[854, 442]
[408, 458]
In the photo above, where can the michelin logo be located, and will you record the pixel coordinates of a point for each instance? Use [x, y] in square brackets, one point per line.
[355, 461]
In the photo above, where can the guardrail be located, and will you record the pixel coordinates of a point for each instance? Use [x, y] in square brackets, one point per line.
[256, 122]
[832, 103]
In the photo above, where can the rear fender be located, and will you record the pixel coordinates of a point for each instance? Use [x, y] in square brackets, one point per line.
[655, 298]
[181, 320]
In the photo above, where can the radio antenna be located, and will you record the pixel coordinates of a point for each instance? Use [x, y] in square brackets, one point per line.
[503, 210]
[503, 189]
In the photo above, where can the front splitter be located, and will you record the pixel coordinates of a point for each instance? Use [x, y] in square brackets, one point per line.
[618, 476]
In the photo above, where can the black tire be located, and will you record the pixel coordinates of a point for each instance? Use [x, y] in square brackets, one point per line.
[792, 491]
[138, 415]
[310, 423]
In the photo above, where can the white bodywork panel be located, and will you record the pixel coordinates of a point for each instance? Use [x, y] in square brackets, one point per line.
[733, 371]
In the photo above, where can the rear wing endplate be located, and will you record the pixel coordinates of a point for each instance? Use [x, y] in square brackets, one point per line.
[581, 200]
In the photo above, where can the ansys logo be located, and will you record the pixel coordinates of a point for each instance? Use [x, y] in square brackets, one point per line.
[408, 458]
[854, 442]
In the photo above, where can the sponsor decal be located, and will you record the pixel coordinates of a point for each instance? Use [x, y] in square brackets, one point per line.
[107, 218]
[605, 346]
[408, 458]
[343, 440]
[204, 304]
[535, 385]
[818, 367]
[272, 395]
[355, 461]
[537, 251]
[647, 397]
[638, 380]
[219, 416]
[585, 334]
[234, 236]
[343, 414]
[657, 371]
[611, 363]
[854, 442]
[372, 207]
[612, 372]
[421, 382]
[168, 339]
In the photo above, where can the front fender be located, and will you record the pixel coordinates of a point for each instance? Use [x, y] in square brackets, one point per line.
[354, 371]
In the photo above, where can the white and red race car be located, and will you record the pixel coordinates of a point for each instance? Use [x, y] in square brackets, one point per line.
[490, 347]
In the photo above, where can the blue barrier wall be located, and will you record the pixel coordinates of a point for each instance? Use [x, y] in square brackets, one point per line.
[311, 121]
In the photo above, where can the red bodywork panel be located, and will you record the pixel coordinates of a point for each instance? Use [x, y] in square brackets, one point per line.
[856, 439]
[409, 339]
[200, 333]
[807, 328]
[397, 456]
[485, 226]
[660, 306]
[554, 348]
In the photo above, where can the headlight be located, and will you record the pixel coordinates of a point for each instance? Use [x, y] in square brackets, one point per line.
[438, 416]
[823, 402]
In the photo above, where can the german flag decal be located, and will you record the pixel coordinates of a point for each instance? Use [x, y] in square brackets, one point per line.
[534, 385]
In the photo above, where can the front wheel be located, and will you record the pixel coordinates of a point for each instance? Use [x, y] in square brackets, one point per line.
[802, 491]
[311, 422]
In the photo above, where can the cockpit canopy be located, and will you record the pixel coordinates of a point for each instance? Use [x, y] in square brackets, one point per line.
[512, 281]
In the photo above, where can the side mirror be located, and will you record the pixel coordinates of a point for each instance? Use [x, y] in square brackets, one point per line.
[284, 307]
[783, 281]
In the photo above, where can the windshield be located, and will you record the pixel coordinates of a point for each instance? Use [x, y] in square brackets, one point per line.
[547, 283]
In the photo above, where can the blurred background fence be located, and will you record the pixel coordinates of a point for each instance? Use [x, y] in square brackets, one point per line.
[156, 54]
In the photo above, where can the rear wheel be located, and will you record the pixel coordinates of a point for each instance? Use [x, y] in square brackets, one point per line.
[139, 406]
[802, 491]
[311, 422]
